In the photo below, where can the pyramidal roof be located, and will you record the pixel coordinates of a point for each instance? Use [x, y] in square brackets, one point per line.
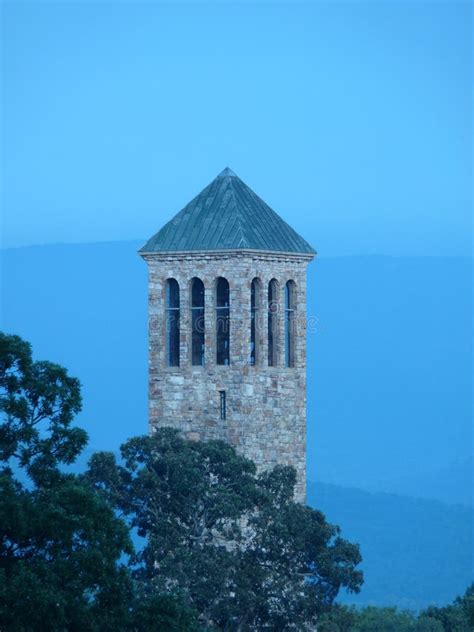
[227, 215]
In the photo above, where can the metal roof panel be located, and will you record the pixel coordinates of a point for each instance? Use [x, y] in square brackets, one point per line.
[227, 215]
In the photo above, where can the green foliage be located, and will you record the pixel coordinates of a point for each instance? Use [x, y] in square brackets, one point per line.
[38, 402]
[162, 613]
[60, 542]
[373, 619]
[426, 624]
[457, 617]
[225, 548]
[234, 544]
[338, 619]
[294, 563]
[452, 618]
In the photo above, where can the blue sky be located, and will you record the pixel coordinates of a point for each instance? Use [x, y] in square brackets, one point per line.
[352, 120]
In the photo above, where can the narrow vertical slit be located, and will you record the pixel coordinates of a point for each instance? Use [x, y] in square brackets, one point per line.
[222, 404]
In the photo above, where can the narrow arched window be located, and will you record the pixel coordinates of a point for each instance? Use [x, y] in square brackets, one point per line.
[172, 322]
[254, 305]
[197, 322]
[222, 321]
[290, 292]
[272, 322]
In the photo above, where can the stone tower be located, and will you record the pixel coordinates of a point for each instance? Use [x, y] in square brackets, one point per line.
[227, 326]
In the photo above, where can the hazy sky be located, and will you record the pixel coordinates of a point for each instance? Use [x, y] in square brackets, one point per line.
[352, 120]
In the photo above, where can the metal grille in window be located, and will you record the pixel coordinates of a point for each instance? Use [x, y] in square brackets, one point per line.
[197, 322]
[222, 321]
[290, 324]
[172, 322]
[254, 300]
[272, 322]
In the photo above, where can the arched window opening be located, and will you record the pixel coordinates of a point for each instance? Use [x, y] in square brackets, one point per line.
[222, 321]
[172, 322]
[197, 322]
[290, 303]
[254, 305]
[272, 322]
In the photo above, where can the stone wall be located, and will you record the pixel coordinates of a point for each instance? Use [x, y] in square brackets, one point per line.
[265, 406]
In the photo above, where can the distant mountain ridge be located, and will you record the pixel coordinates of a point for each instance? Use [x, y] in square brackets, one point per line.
[390, 374]
[389, 356]
[415, 552]
[389, 391]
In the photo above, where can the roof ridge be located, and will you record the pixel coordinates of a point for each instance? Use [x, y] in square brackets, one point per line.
[240, 219]
[220, 232]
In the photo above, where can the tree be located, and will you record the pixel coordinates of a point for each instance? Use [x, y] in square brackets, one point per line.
[162, 613]
[59, 557]
[38, 402]
[452, 618]
[293, 563]
[458, 616]
[224, 547]
[182, 497]
[426, 624]
[60, 542]
[338, 619]
[232, 542]
[373, 619]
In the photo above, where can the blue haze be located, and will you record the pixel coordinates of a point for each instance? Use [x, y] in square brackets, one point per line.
[353, 121]
[389, 353]
[388, 401]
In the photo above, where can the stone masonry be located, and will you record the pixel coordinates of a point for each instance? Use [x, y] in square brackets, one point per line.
[265, 405]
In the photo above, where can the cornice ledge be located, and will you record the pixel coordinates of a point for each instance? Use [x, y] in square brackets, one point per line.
[265, 255]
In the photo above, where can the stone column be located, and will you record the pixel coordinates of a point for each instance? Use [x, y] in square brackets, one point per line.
[156, 334]
[300, 321]
[239, 321]
[155, 319]
[280, 325]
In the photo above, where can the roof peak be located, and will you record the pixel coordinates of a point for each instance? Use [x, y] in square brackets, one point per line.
[227, 173]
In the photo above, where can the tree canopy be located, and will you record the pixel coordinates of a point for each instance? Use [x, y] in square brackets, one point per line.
[174, 535]
[60, 542]
[233, 542]
[455, 617]
[220, 545]
[38, 402]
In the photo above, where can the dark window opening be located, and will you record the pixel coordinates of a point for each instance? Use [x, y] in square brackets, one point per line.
[254, 299]
[272, 322]
[172, 322]
[222, 321]
[222, 404]
[197, 322]
[290, 324]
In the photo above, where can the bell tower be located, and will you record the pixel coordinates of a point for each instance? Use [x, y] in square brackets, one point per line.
[227, 326]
